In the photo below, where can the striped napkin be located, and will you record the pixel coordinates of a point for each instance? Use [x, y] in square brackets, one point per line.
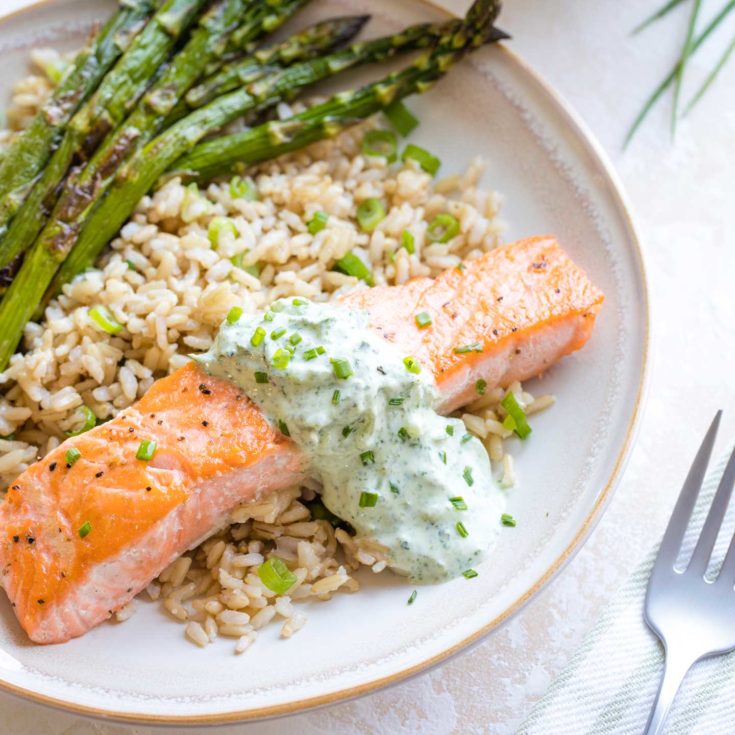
[610, 683]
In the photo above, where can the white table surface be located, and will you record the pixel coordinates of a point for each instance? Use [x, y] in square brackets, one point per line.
[683, 197]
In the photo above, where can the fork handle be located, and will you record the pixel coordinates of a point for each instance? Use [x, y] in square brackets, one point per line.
[676, 665]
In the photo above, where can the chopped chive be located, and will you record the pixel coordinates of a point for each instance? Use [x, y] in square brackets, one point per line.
[146, 450]
[442, 228]
[276, 576]
[480, 386]
[298, 302]
[401, 118]
[103, 318]
[295, 339]
[396, 401]
[394, 488]
[218, 227]
[243, 189]
[443, 456]
[473, 347]
[347, 431]
[280, 359]
[511, 405]
[370, 214]
[131, 266]
[507, 520]
[381, 144]
[467, 474]
[269, 316]
[335, 397]
[465, 438]
[317, 223]
[412, 597]
[258, 337]
[426, 160]
[423, 319]
[408, 242]
[320, 350]
[368, 500]
[84, 529]
[412, 365]
[342, 368]
[458, 502]
[351, 265]
[277, 306]
[469, 573]
[234, 314]
[278, 333]
[367, 458]
[403, 433]
[261, 377]
[461, 530]
[449, 429]
[283, 427]
[90, 421]
[72, 455]
[311, 354]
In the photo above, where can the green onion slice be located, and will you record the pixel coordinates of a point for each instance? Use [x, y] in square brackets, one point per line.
[396, 401]
[146, 450]
[218, 227]
[403, 434]
[408, 242]
[423, 320]
[443, 228]
[347, 430]
[84, 529]
[443, 457]
[280, 359]
[449, 429]
[278, 333]
[369, 214]
[473, 347]
[261, 377]
[426, 160]
[507, 520]
[72, 455]
[335, 397]
[243, 189]
[276, 576]
[458, 502]
[412, 598]
[481, 386]
[312, 353]
[351, 265]
[234, 314]
[317, 223]
[469, 573]
[295, 338]
[511, 405]
[103, 318]
[461, 530]
[380, 143]
[412, 365]
[90, 421]
[368, 500]
[401, 118]
[258, 337]
[367, 458]
[466, 438]
[342, 368]
[467, 474]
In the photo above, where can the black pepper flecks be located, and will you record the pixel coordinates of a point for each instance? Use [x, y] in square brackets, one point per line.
[30, 539]
[131, 430]
[160, 422]
[205, 423]
[204, 390]
[16, 538]
[148, 489]
[99, 474]
[52, 466]
[40, 601]
[181, 438]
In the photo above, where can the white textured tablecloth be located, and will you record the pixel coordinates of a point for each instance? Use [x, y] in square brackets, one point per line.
[683, 197]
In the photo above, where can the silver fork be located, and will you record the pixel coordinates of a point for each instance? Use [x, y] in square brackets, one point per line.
[693, 617]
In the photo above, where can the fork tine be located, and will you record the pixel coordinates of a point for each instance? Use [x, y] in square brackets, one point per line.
[679, 521]
[708, 537]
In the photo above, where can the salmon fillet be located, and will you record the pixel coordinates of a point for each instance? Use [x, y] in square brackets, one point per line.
[521, 307]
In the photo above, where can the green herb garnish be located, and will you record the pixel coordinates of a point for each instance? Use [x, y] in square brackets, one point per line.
[461, 530]
[317, 223]
[507, 520]
[146, 450]
[469, 573]
[423, 319]
[408, 242]
[480, 386]
[276, 576]
[342, 368]
[442, 228]
[473, 347]
[335, 397]
[84, 529]
[103, 318]
[234, 314]
[258, 337]
[412, 365]
[467, 474]
[283, 427]
[401, 118]
[370, 214]
[412, 597]
[426, 160]
[280, 359]
[367, 458]
[380, 143]
[458, 502]
[72, 456]
[368, 500]
[511, 405]
[261, 377]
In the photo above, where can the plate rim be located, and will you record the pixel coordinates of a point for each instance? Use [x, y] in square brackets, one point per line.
[618, 196]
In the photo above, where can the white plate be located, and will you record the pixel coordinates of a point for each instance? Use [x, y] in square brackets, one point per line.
[555, 181]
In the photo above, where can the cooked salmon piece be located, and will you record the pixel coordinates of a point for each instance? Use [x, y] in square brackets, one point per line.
[79, 537]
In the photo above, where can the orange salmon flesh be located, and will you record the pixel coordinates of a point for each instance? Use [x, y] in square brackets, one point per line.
[78, 542]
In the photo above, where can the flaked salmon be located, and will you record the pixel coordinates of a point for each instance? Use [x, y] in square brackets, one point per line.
[82, 533]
